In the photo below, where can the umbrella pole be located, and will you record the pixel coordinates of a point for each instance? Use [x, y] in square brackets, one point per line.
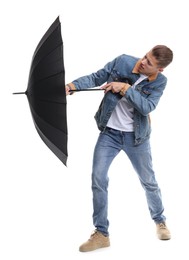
[86, 89]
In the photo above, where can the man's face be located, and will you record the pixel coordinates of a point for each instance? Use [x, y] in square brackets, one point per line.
[148, 65]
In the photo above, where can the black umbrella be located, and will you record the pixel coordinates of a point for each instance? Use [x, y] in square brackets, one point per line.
[46, 91]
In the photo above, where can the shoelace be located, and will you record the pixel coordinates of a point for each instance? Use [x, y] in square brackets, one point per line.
[93, 234]
[162, 226]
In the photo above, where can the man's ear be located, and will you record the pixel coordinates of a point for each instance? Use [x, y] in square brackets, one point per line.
[160, 69]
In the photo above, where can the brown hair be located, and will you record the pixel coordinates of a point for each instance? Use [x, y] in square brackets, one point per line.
[163, 55]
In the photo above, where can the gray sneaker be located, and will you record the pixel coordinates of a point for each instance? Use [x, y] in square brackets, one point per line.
[97, 240]
[163, 232]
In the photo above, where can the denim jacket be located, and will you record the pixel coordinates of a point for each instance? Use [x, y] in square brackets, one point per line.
[144, 97]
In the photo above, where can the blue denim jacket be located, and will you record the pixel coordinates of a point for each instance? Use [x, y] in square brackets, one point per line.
[144, 98]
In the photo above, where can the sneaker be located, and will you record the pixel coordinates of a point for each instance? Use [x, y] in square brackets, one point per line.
[163, 232]
[97, 240]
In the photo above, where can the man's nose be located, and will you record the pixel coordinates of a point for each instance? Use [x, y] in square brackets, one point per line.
[144, 61]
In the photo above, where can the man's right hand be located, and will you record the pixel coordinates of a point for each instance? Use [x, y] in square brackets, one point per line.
[69, 87]
[68, 92]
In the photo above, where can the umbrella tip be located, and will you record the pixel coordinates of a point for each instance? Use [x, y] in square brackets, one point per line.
[16, 93]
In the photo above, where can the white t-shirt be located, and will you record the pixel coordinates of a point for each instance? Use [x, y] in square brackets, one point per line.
[122, 115]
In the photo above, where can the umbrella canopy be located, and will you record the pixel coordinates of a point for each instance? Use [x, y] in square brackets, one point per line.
[46, 91]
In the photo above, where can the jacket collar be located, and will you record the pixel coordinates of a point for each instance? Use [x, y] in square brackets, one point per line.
[135, 70]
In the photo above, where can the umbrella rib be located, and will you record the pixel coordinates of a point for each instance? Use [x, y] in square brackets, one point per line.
[50, 101]
[46, 122]
[51, 76]
[46, 100]
[61, 58]
[44, 39]
[62, 156]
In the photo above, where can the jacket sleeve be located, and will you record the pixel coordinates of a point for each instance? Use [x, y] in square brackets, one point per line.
[143, 103]
[95, 79]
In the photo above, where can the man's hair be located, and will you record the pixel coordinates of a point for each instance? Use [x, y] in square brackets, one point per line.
[163, 55]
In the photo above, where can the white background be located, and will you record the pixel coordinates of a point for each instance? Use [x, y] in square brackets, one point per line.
[45, 207]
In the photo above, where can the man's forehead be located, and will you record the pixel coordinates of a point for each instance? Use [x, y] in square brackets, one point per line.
[151, 58]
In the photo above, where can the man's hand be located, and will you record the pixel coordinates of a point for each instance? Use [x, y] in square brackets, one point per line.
[69, 87]
[116, 87]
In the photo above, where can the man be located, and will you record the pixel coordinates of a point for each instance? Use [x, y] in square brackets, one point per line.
[133, 89]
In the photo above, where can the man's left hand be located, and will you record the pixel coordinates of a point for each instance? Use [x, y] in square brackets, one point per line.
[116, 87]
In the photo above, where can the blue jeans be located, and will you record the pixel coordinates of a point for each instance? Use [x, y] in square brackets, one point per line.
[109, 144]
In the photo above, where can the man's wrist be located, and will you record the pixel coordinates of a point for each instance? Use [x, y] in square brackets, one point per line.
[124, 89]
